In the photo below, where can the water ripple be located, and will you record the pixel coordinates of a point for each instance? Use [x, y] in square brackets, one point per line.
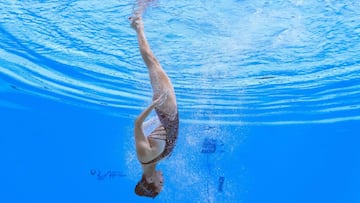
[235, 63]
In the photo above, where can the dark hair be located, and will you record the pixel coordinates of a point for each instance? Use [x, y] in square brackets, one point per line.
[143, 188]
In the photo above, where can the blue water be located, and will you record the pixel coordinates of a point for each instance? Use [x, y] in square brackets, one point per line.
[268, 95]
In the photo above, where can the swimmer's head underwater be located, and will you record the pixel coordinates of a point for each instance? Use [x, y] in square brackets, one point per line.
[150, 187]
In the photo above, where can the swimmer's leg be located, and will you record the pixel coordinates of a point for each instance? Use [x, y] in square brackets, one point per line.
[160, 82]
[141, 6]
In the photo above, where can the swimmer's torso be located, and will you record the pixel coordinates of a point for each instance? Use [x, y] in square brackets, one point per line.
[167, 131]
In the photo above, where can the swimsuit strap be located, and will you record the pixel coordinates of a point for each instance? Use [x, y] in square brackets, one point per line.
[159, 133]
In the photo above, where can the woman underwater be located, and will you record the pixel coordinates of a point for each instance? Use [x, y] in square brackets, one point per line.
[160, 143]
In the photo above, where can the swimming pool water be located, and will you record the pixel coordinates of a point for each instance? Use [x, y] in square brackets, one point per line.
[268, 95]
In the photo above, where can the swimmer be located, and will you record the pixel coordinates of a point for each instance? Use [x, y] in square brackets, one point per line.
[160, 143]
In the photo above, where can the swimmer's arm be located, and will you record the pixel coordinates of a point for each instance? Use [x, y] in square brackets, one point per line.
[142, 143]
[143, 147]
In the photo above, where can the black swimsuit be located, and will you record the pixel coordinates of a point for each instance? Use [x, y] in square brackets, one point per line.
[171, 129]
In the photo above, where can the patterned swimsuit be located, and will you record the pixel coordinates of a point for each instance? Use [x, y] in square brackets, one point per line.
[169, 129]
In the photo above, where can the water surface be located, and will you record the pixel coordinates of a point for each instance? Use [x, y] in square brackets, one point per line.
[272, 86]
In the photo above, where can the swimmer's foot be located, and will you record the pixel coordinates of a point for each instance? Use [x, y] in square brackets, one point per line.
[136, 22]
